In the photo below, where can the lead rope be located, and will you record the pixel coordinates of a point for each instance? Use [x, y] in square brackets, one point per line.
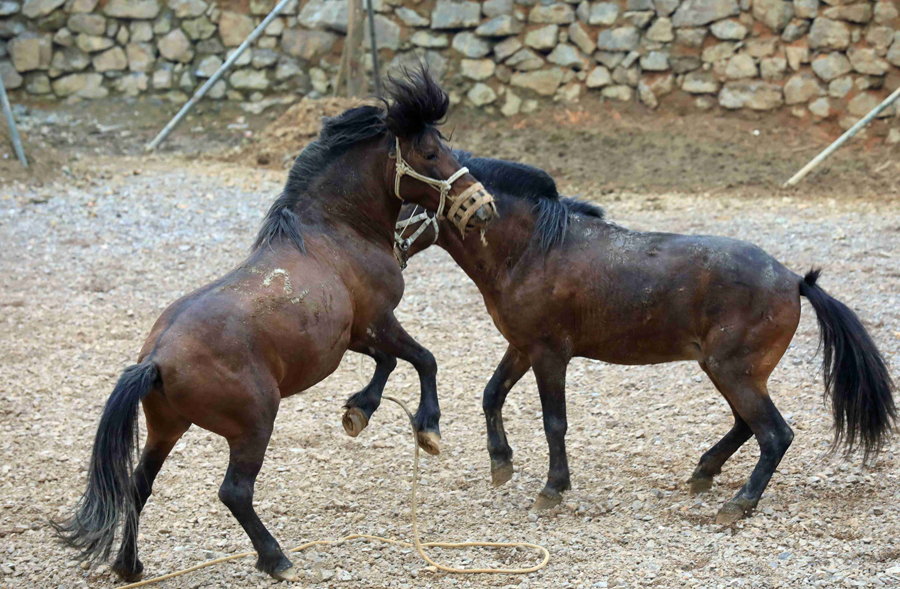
[419, 545]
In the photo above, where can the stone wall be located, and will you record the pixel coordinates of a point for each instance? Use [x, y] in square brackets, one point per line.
[824, 60]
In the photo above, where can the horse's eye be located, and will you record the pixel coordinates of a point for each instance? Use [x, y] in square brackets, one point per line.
[431, 157]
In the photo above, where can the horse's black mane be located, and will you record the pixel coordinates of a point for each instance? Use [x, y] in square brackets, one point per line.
[536, 185]
[416, 104]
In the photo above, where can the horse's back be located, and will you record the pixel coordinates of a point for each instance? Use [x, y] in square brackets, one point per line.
[631, 297]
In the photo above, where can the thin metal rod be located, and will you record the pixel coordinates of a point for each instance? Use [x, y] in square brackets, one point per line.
[841, 140]
[11, 122]
[374, 44]
[215, 77]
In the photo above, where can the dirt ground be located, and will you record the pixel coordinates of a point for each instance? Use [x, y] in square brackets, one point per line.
[99, 239]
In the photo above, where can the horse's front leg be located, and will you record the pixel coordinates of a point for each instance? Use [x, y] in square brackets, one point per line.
[360, 406]
[390, 338]
[550, 372]
[512, 368]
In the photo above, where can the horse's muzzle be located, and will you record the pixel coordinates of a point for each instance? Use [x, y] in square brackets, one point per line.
[473, 209]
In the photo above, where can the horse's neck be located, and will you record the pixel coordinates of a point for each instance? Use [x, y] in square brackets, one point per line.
[507, 240]
[354, 196]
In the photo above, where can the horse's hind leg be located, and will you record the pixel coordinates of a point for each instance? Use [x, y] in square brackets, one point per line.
[750, 398]
[711, 462]
[164, 428]
[236, 492]
[550, 373]
[360, 406]
[512, 367]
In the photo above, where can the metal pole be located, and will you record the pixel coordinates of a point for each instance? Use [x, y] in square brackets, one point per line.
[11, 122]
[841, 140]
[374, 48]
[215, 77]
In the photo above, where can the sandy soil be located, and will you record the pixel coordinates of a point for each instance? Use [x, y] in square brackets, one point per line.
[90, 257]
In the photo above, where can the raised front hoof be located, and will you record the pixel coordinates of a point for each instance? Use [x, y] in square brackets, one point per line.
[700, 484]
[430, 442]
[354, 421]
[501, 473]
[546, 500]
[289, 574]
[128, 573]
[732, 512]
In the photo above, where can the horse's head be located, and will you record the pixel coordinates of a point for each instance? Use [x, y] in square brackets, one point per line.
[424, 170]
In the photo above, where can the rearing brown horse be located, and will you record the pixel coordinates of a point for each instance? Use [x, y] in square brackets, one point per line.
[321, 279]
[559, 281]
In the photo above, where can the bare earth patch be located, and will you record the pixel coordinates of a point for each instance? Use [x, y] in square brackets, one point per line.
[90, 258]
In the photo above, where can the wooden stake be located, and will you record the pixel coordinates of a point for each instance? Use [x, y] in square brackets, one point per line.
[215, 77]
[841, 140]
[11, 122]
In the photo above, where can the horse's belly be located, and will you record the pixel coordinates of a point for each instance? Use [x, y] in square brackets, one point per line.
[309, 338]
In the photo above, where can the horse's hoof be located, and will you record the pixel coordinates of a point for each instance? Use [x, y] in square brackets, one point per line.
[545, 501]
[700, 484]
[128, 574]
[354, 421]
[501, 474]
[730, 513]
[430, 442]
[289, 574]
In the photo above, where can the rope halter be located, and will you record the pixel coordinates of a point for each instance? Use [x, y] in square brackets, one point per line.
[462, 207]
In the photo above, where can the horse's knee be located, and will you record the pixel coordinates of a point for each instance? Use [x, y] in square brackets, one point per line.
[235, 495]
[777, 441]
[425, 362]
[555, 426]
[388, 362]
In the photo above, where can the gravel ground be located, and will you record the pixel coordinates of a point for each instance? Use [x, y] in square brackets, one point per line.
[91, 258]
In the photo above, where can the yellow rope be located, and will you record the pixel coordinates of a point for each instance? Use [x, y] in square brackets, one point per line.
[418, 544]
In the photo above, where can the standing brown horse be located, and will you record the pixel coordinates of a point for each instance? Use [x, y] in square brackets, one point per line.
[559, 281]
[321, 279]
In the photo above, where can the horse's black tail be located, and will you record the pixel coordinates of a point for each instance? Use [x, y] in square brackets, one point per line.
[108, 501]
[856, 376]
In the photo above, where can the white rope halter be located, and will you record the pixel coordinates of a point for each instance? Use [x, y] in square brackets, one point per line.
[442, 186]
[461, 209]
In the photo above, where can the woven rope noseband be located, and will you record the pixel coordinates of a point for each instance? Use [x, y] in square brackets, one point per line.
[462, 208]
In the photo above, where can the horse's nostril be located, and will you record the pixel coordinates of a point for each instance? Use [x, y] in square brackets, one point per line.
[484, 213]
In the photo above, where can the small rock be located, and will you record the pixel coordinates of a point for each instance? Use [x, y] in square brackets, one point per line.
[132, 8]
[603, 13]
[598, 77]
[481, 94]
[567, 56]
[661, 31]
[411, 18]
[828, 34]
[451, 14]
[235, 27]
[831, 66]
[500, 26]
[429, 39]
[696, 13]
[111, 60]
[729, 30]
[559, 13]
[700, 82]
[511, 105]
[619, 92]
[477, 69]
[249, 79]
[544, 38]
[92, 44]
[176, 47]
[802, 88]
[618, 39]
[544, 82]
